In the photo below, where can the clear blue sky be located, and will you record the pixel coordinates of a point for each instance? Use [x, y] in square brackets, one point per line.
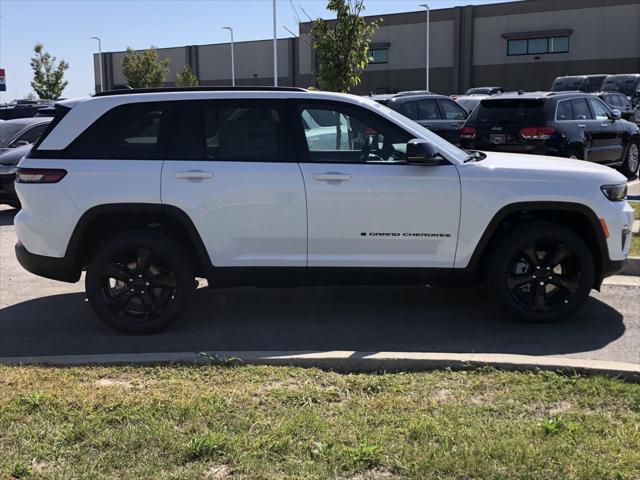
[64, 27]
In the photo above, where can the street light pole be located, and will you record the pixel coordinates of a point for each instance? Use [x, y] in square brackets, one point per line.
[427, 47]
[275, 47]
[233, 69]
[100, 62]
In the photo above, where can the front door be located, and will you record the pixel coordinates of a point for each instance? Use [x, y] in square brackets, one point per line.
[232, 169]
[609, 135]
[366, 206]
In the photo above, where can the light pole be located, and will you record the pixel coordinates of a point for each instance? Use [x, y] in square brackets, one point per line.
[427, 48]
[275, 47]
[100, 62]
[233, 68]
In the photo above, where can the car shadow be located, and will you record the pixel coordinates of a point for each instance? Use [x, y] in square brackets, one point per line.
[409, 318]
[7, 215]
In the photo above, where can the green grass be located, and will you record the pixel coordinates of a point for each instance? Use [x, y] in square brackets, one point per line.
[636, 208]
[220, 422]
[634, 250]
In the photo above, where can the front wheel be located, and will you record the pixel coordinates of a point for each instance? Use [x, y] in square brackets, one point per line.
[541, 272]
[139, 282]
[631, 161]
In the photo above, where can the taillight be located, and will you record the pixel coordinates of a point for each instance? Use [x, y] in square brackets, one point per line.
[39, 175]
[467, 132]
[537, 133]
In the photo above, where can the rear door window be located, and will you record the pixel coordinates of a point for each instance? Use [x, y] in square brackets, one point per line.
[581, 109]
[409, 110]
[428, 110]
[136, 131]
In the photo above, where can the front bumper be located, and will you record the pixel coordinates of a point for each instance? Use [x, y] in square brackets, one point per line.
[7, 185]
[63, 269]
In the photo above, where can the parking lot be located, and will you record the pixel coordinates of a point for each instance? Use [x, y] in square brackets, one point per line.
[40, 317]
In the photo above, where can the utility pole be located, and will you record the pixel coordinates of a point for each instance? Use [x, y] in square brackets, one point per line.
[233, 69]
[100, 62]
[427, 47]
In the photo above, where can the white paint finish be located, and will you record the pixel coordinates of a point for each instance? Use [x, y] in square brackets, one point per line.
[598, 33]
[379, 198]
[247, 213]
[502, 179]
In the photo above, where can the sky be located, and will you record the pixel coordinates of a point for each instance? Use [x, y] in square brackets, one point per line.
[65, 28]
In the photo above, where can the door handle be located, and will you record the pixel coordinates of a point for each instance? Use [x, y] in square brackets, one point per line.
[331, 177]
[193, 175]
[582, 125]
[604, 124]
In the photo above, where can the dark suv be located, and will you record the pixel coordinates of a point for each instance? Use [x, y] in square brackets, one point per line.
[574, 125]
[582, 83]
[619, 101]
[438, 113]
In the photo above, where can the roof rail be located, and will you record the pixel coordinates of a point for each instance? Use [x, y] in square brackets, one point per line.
[131, 91]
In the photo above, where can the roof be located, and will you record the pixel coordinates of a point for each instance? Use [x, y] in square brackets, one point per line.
[28, 121]
[535, 95]
[130, 91]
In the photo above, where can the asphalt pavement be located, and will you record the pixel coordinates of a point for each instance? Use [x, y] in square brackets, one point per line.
[40, 317]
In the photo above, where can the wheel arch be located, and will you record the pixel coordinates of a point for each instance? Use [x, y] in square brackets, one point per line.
[575, 216]
[103, 221]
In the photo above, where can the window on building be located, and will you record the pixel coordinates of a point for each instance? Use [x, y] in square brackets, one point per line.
[379, 55]
[537, 46]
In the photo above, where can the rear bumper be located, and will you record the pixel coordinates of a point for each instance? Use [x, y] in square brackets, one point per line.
[63, 269]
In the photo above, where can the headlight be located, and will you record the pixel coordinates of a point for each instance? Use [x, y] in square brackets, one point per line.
[615, 193]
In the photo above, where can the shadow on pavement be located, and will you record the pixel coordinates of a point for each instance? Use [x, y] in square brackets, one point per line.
[6, 216]
[411, 318]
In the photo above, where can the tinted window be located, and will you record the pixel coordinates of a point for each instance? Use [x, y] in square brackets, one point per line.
[244, 133]
[32, 135]
[428, 110]
[565, 112]
[599, 109]
[7, 132]
[537, 45]
[130, 131]
[558, 44]
[409, 109]
[356, 136]
[451, 111]
[581, 109]
[517, 47]
[509, 111]
[625, 84]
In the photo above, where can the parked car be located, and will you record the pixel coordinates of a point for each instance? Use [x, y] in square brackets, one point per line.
[21, 131]
[484, 91]
[619, 101]
[470, 102]
[438, 113]
[575, 125]
[128, 186]
[627, 84]
[578, 83]
[22, 108]
[8, 161]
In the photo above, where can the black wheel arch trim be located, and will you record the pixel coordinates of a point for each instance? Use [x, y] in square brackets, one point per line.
[605, 267]
[75, 248]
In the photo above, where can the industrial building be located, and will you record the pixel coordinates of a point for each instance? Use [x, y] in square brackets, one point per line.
[518, 45]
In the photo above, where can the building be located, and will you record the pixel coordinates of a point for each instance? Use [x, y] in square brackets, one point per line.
[518, 45]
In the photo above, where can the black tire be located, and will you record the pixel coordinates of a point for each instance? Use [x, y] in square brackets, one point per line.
[576, 153]
[628, 169]
[514, 275]
[139, 282]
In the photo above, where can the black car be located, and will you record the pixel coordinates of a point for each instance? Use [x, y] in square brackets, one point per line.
[619, 101]
[575, 125]
[484, 91]
[22, 108]
[438, 113]
[581, 83]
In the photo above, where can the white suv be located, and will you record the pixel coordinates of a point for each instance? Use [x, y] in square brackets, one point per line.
[148, 189]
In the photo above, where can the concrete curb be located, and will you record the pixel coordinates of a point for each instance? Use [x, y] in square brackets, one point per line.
[349, 361]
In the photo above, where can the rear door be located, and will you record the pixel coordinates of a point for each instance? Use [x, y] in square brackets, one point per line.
[590, 128]
[366, 206]
[231, 167]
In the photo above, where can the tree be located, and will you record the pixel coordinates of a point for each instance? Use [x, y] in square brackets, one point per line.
[47, 77]
[342, 48]
[143, 70]
[186, 78]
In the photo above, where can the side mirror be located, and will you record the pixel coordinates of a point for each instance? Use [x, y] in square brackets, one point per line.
[20, 143]
[615, 114]
[422, 152]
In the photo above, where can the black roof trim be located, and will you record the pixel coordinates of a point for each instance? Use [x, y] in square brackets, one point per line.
[131, 91]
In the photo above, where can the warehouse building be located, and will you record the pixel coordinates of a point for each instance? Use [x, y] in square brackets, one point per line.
[518, 45]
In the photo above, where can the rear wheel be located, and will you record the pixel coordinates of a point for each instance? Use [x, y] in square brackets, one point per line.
[576, 153]
[542, 272]
[139, 282]
[631, 162]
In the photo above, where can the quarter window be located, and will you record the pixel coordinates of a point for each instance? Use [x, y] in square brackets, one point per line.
[130, 131]
[565, 112]
[356, 136]
[538, 46]
[32, 135]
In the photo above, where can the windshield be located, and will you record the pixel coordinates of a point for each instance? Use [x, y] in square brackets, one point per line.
[445, 148]
[625, 84]
[8, 132]
[567, 84]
